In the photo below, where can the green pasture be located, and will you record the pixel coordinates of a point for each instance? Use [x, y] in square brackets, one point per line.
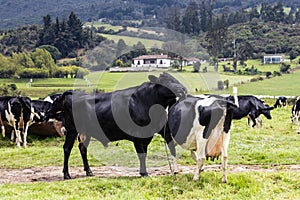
[287, 85]
[133, 40]
[276, 144]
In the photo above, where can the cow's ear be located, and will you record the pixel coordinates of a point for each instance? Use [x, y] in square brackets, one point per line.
[153, 79]
[271, 108]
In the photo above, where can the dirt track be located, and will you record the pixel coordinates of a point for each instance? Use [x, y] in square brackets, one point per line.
[54, 173]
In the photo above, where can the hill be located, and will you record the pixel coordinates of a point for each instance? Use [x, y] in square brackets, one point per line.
[18, 13]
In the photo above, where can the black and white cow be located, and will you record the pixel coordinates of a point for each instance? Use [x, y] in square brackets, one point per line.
[250, 106]
[201, 125]
[280, 102]
[52, 97]
[296, 113]
[16, 112]
[133, 114]
[39, 109]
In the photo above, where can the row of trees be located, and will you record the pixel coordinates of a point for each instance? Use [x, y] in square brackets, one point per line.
[67, 35]
[61, 38]
[199, 17]
[38, 64]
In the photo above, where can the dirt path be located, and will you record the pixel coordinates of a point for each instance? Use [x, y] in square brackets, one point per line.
[54, 173]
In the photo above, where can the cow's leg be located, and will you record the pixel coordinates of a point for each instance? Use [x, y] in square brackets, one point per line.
[25, 135]
[165, 133]
[252, 117]
[12, 136]
[226, 138]
[18, 137]
[141, 150]
[199, 155]
[3, 131]
[83, 144]
[68, 145]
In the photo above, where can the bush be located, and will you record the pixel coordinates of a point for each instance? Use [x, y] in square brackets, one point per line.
[268, 74]
[276, 73]
[33, 73]
[220, 85]
[285, 68]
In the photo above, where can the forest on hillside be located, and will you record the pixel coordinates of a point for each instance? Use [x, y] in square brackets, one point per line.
[17, 13]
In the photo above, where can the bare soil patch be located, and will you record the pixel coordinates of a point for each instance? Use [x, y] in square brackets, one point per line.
[54, 173]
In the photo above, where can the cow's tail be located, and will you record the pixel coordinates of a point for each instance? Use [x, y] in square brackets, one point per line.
[236, 101]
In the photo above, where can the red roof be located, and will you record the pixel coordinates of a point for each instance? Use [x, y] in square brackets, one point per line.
[145, 57]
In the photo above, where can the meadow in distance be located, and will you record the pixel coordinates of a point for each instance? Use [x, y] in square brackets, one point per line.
[272, 149]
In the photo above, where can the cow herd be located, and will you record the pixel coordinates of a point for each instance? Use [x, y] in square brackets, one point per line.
[200, 124]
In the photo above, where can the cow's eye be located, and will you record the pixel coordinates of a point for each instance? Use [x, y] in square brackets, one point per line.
[58, 112]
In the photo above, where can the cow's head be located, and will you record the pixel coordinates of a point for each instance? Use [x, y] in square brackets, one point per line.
[171, 86]
[39, 109]
[55, 111]
[266, 111]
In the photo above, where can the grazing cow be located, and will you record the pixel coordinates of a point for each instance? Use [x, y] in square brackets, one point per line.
[202, 126]
[16, 112]
[280, 102]
[250, 106]
[133, 114]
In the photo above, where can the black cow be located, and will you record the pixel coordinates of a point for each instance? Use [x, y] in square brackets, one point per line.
[133, 114]
[16, 112]
[202, 126]
[39, 109]
[280, 102]
[251, 106]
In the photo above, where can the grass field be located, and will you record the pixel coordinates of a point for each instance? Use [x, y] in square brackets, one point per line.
[286, 85]
[205, 83]
[276, 144]
[130, 41]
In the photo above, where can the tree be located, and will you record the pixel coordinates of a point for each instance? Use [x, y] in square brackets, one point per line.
[216, 38]
[253, 13]
[172, 20]
[55, 53]
[22, 60]
[290, 17]
[47, 35]
[121, 47]
[43, 60]
[190, 19]
[75, 29]
[278, 12]
[203, 16]
[297, 16]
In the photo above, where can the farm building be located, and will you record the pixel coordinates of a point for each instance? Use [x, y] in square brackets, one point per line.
[273, 59]
[155, 61]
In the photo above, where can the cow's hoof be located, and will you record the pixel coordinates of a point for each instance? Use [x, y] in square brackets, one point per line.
[89, 173]
[67, 176]
[144, 174]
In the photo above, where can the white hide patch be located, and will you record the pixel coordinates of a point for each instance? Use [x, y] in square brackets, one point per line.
[9, 116]
[191, 142]
[48, 99]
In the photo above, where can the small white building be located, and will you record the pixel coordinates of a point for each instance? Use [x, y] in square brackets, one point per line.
[273, 59]
[156, 61]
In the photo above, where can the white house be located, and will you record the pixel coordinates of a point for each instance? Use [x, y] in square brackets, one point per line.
[273, 59]
[155, 61]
